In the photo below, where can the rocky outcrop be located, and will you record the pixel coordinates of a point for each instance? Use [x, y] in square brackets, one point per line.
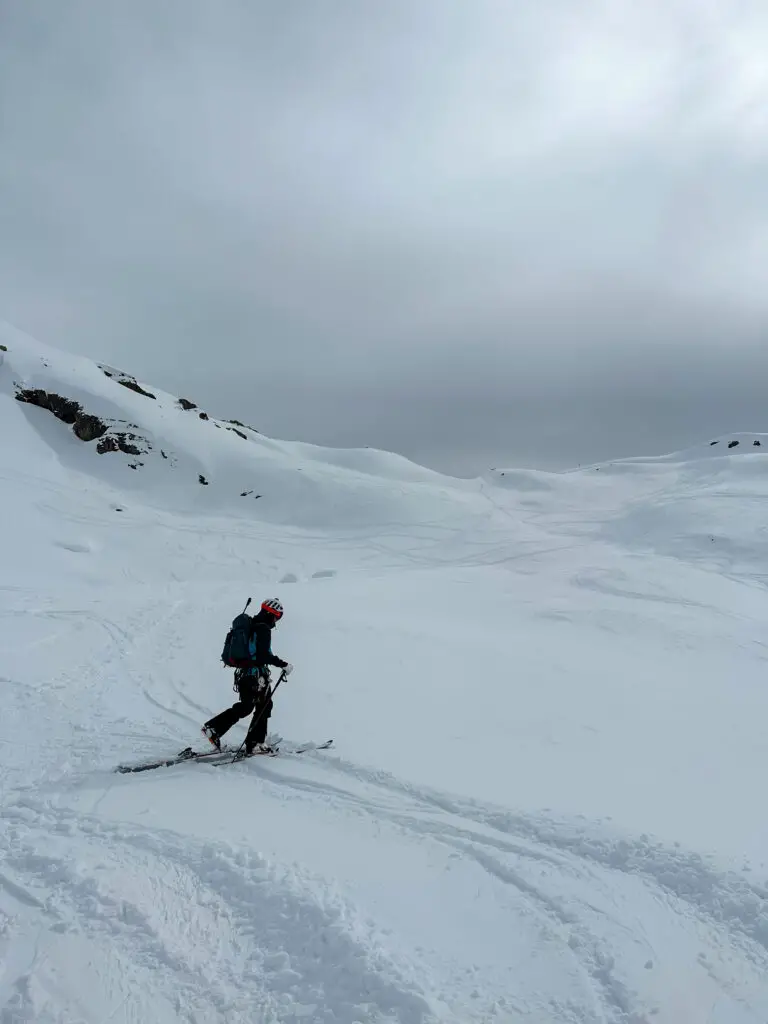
[62, 408]
[125, 379]
[120, 441]
[757, 443]
[245, 426]
[113, 435]
[88, 428]
[133, 385]
[85, 426]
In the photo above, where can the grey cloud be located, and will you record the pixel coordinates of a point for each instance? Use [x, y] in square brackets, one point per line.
[459, 231]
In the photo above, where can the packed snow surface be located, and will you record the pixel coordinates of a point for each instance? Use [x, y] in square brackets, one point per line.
[548, 695]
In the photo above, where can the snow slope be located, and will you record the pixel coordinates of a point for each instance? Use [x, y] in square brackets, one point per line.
[547, 692]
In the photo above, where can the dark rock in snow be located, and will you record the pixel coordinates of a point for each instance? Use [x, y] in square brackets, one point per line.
[245, 426]
[201, 479]
[85, 426]
[110, 371]
[3, 348]
[63, 409]
[203, 415]
[186, 404]
[238, 432]
[132, 385]
[119, 442]
[88, 427]
[756, 444]
[107, 444]
[733, 444]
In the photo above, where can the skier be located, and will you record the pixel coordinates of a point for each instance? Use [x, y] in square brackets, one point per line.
[252, 683]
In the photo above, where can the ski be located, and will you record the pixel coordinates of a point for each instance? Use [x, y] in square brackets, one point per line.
[188, 754]
[243, 756]
[276, 752]
[312, 746]
[226, 755]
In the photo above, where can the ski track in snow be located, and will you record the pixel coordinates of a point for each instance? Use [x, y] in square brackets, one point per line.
[721, 898]
[225, 934]
[524, 851]
[220, 934]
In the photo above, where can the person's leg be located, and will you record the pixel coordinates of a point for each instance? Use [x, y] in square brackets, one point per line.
[217, 726]
[257, 731]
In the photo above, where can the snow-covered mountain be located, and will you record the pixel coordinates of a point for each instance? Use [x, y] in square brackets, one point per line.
[547, 694]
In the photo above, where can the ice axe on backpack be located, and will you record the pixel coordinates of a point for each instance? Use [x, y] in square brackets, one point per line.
[267, 698]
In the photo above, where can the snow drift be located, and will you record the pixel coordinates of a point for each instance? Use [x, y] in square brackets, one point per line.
[547, 694]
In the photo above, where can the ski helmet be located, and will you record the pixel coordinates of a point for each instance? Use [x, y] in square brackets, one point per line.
[273, 607]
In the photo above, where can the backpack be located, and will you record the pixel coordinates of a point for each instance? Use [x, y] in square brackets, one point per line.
[236, 652]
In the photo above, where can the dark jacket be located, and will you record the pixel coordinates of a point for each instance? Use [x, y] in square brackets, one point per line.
[261, 642]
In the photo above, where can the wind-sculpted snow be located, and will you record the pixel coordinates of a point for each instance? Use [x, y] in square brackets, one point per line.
[547, 694]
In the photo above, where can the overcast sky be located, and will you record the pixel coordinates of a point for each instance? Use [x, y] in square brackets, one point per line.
[528, 232]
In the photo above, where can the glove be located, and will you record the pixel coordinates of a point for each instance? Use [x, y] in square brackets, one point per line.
[287, 669]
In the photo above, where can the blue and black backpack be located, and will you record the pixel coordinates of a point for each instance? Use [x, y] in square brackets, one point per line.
[236, 652]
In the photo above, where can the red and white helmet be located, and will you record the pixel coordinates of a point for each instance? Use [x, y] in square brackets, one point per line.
[273, 606]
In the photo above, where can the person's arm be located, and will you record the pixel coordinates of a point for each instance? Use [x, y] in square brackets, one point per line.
[263, 654]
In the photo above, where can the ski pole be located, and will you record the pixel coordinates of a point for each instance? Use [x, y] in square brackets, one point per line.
[268, 698]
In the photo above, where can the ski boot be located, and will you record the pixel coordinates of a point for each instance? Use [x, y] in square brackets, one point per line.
[254, 751]
[211, 736]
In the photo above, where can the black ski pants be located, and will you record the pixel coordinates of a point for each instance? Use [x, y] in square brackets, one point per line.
[253, 698]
